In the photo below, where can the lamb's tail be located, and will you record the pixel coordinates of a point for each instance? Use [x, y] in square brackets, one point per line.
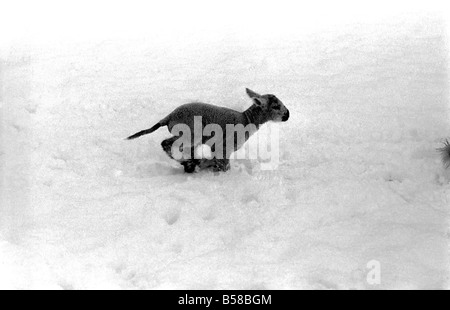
[146, 131]
[445, 153]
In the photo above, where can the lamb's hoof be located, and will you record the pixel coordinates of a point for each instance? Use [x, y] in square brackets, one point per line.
[189, 169]
[189, 166]
[221, 166]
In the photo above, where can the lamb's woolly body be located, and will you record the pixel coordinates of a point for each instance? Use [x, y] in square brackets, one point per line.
[210, 114]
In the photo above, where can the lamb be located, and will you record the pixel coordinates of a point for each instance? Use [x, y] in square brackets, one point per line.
[264, 108]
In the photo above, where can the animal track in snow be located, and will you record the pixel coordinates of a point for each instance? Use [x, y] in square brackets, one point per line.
[172, 215]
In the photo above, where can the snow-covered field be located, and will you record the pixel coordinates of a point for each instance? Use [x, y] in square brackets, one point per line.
[359, 178]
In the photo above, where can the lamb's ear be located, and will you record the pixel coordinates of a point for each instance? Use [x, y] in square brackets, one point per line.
[258, 101]
[252, 94]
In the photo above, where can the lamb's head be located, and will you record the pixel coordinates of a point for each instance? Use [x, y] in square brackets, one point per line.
[272, 107]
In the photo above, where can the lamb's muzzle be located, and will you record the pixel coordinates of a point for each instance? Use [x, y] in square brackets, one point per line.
[285, 116]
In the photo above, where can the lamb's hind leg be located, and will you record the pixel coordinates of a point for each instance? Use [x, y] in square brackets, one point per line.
[167, 145]
[216, 164]
[222, 165]
[188, 164]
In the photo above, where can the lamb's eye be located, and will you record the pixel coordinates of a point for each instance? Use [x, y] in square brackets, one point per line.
[276, 107]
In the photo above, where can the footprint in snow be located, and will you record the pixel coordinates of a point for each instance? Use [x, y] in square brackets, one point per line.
[172, 215]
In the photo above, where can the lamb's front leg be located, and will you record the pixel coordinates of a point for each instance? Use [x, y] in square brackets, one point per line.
[216, 164]
[222, 165]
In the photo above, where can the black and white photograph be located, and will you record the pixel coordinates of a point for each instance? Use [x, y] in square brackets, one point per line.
[246, 146]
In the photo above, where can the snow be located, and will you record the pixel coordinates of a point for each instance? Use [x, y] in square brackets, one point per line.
[359, 178]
